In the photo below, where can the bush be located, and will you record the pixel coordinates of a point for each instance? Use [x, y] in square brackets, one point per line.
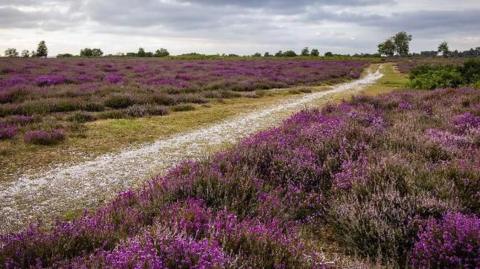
[471, 71]
[452, 242]
[81, 117]
[138, 111]
[432, 77]
[119, 101]
[41, 137]
[7, 131]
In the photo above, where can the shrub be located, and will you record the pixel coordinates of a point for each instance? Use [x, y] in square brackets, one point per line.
[452, 242]
[94, 107]
[81, 117]
[471, 71]
[146, 110]
[41, 137]
[119, 101]
[7, 131]
[432, 77]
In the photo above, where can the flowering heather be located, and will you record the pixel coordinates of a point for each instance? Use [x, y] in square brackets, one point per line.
[452, 242]
[394, 178]
[7, 131]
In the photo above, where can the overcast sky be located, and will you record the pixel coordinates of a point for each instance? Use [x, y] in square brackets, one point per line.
[236, 26]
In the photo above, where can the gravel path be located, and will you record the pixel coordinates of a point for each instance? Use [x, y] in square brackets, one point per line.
[72, 187]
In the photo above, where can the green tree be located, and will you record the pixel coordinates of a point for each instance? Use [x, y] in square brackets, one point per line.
[42, 50]
[86, 52]
[11, 52]
[257, 54]
[279, 54]
[305, 51]
[443, 48]
[289, 53]
[402, 43]
[387, 48]
[25, 53]
[162, 53]
[328, 54]
[314, 52]
[267, 54]
[141, 52]
[97, 53]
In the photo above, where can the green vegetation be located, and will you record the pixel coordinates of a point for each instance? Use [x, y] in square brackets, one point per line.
[445, 76]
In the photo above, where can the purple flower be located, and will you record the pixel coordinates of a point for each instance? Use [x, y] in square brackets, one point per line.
[452, 242]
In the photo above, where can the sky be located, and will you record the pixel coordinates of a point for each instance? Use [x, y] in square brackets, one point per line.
[236, 26]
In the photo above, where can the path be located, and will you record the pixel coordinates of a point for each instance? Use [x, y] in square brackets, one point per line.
[73, 187]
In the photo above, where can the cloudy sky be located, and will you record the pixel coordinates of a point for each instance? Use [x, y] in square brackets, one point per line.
[235, 26]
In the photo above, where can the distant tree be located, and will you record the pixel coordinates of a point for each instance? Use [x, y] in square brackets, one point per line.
[148, 54]
[11, 52]
[314, 52]
[387, 48]
[33, 53]
[443, 48]
[141, 52]
[279, 54]
[131, 54]
[97, 53]
[305, 51]
[42, 50]
[162, 53]
[257, 55]
[86, 52]
[267, 54]
[402, 43]
[25, 53]
[328, 54]
[289, 53]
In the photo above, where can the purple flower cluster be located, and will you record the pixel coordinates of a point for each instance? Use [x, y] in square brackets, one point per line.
[7, 131]
[49, 80]
[452, 242]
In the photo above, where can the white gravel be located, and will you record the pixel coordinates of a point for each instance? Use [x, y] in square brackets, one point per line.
[71, 187]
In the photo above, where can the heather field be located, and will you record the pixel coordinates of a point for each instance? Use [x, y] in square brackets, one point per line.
[45, 100]
[390, 180]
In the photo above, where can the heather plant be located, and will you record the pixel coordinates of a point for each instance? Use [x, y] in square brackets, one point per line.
[7, 131]
[394, 179]
[451, 242]
[41, 137]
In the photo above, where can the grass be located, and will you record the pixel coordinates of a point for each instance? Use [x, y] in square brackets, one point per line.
[111, 135]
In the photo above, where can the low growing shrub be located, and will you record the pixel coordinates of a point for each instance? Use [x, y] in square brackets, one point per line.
[41, 137]
[7, 131]
[119, 101]
[452, 242]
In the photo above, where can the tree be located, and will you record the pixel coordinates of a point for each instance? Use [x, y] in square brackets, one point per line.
[402, 43]
[162, 53]
[257, 54]
[42, 50]
[305, 51]
[289, 53]
[443, 48]
[86, 52]
[97, 53]
[279, 54]
[387, 48]
[25, 53]
[314, 52]
[328, 54]
[267, 54]
[11, 52]
[141, 52]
